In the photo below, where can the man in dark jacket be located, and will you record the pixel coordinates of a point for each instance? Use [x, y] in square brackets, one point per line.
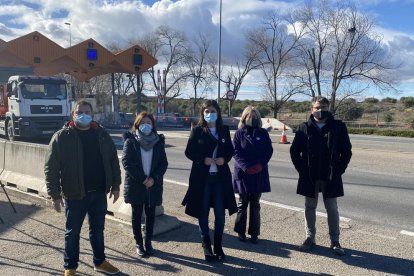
[82, 166]
[320, 152]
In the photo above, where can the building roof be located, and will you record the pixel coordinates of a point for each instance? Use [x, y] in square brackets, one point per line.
[83, 61]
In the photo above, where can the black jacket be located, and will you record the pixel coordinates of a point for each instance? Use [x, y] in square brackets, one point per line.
[201, 145]
[64, 163]
[321, 154]
[134, 191]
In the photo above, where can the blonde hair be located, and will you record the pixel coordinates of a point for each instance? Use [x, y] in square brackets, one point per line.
[249, 109]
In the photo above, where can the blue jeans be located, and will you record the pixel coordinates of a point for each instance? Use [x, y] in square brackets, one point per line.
[213, 195]
[94, 204]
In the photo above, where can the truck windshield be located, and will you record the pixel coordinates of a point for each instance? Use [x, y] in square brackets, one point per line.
[43, 90]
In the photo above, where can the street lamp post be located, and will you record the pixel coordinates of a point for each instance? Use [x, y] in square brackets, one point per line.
[219, 57]
[70, 34]
[72, 89]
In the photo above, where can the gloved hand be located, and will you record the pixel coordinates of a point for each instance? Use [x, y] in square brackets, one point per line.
[254, 169]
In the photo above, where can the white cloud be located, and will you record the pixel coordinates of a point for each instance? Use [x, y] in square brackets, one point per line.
[110, 21]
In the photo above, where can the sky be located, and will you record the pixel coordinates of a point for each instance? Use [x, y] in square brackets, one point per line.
[120, 21]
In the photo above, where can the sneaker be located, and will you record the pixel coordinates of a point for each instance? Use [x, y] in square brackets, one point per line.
[242, 237]
[70, 272]
[254, 239]
[106, 268]
[337, 249]
[140, 250]
[307, 245]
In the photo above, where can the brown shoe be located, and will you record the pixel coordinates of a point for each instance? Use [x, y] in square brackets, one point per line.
[70, 272]
[106, 268]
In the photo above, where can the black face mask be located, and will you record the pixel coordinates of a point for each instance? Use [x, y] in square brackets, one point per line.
[321, 114]
[253, 122]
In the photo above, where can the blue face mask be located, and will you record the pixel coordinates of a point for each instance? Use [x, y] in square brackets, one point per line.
[145, 128]
[210, 117]
[83, 120]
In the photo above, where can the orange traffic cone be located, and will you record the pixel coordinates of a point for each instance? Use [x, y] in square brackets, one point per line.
[283, 138]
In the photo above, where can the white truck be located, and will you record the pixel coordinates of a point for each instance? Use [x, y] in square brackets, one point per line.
[33, 106]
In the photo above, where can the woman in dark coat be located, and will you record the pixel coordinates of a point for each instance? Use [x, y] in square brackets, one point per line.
[145, 163]
[252, 151]
[210, 148]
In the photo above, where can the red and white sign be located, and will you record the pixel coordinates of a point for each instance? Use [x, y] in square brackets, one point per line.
[230, 95]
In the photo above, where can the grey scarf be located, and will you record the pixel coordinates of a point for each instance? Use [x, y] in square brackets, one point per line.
[147, 142]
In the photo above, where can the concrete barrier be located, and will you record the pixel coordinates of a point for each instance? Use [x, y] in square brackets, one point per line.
[2, 156]
[22, 166]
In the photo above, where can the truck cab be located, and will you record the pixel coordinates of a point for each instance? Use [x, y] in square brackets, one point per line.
[33, 106]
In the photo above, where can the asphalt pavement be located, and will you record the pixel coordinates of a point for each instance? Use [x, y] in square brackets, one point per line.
[31, 243]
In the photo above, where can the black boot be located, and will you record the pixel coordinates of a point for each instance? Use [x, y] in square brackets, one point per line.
[148, 247]
[208, 253]
[218, 249]
[149, 230]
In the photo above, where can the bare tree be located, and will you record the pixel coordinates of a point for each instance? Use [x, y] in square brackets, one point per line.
[277, 48]
[123, 83]
[199, 70]
[340, 47]
[171, 49]
[234, 74]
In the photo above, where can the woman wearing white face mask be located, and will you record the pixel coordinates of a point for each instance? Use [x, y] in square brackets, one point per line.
[210, 148]
[145, 163]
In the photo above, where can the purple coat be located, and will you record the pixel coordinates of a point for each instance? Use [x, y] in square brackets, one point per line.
[251, 146]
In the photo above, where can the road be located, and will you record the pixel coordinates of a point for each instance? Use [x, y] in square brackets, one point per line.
[379, 185]
[379, 182]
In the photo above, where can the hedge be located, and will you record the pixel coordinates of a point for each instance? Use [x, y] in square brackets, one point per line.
[382, 132]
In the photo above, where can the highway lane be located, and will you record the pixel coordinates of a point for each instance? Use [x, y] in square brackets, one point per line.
[379, 182]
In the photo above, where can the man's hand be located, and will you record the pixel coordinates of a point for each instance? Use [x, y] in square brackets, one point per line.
[149, 182]
[220, 161]
[58, 204]
[208, 161]
[115, 194]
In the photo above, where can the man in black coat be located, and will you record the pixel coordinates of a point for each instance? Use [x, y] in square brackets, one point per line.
[320, 152]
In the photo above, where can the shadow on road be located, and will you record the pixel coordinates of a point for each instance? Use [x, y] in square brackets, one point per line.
[190, 233]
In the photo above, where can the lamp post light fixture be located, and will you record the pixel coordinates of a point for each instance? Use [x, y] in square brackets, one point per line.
[70, 33]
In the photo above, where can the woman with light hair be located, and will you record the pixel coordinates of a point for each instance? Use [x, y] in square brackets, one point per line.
[252, 151]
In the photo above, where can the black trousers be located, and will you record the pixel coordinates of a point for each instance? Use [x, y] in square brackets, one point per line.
[254, 221]
[136, 222]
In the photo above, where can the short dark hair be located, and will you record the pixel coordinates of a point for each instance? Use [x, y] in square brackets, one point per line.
[82, 102]
[202, 123]
[140, 117]
[320, 99]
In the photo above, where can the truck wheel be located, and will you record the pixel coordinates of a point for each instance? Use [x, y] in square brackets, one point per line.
[10, 131]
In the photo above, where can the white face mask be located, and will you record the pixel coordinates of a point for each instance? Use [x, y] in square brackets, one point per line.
[145, 129]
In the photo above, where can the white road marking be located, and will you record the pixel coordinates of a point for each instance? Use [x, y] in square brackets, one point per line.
[408, 233]
[280, 205]
[176, 182]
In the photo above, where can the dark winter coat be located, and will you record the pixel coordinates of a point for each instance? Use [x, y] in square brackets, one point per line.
[321, 153]
[64, 163]
[201, 145]
[134, 191]
[251, 146]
